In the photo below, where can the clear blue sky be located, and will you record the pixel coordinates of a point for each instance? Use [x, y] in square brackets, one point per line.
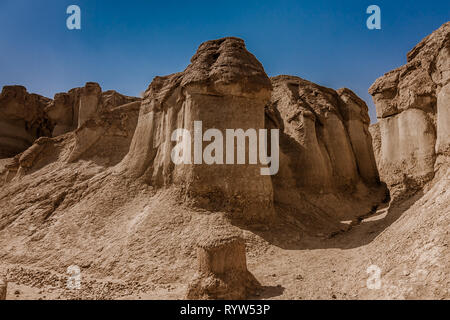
[124, 44]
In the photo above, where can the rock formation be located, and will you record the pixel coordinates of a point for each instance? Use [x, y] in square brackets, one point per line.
[70, 110]
[326, 150]
[329, 130]
[412, 107]
[3, 288]
[225, 87]
[106, 138]
[222, 268]
[22, 120]
[103, 193]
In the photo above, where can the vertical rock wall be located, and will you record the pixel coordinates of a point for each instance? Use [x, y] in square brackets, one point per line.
[412, 107]
[225, 87]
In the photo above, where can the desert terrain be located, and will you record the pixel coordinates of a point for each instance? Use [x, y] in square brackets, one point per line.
[355, 211]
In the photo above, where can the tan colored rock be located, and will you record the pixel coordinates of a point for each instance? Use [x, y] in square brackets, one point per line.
[106, 138]
[376, 141]
[329, 134]
[225, 87]
[443, 121]
[22, 120]
[356, 118]
[3, 288]
[70, 110]
[90, 102]
[412, 108]
[63, 111]
[222, 269]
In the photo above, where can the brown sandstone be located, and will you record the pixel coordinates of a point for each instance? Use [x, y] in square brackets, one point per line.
[22, 120]
[222, 268]
[71, 110]
[225, 87]
[102, 197]
[412, 108]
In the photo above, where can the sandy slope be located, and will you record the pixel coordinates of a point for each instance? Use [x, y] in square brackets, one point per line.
[133, 242]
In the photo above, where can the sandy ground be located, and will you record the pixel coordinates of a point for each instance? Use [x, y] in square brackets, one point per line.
[407, 243]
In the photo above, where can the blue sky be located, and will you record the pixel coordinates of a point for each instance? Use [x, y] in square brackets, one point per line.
[124, 44]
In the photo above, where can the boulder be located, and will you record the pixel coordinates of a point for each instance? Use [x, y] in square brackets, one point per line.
[222, 269]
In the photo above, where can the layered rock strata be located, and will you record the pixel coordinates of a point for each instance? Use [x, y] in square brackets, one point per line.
[224, 87]
[413, 115]
[22, 120]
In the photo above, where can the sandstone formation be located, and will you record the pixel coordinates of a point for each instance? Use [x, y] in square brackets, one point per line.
[3, 288]
[225, 87]
[70, 110]
[326, 151]
[22, 120]
[106, 138]
[412, 107]
[104, 194]
[222, 269]
[328, 130]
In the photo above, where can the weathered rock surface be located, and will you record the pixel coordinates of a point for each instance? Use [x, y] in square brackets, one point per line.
[22, 120]
[106, 137]
[328, 130]
[71, 110]
[65, 202]
[412, 107]
[222, 269]
[3, 288]
[327, 165]
[225, 87]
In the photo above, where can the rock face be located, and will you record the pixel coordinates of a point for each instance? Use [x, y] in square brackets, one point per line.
[224, 87]
[222, 269]
[326, 135]
[71, 110]
[105, 138]
[22, 120]
[3, 288]
[413, 111]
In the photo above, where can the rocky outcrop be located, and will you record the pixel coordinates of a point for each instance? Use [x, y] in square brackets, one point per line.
[222, 269]
[326, 135]
[224, 87]
[412, 107]
[106, 137]
[22, 120]
[71, 110]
